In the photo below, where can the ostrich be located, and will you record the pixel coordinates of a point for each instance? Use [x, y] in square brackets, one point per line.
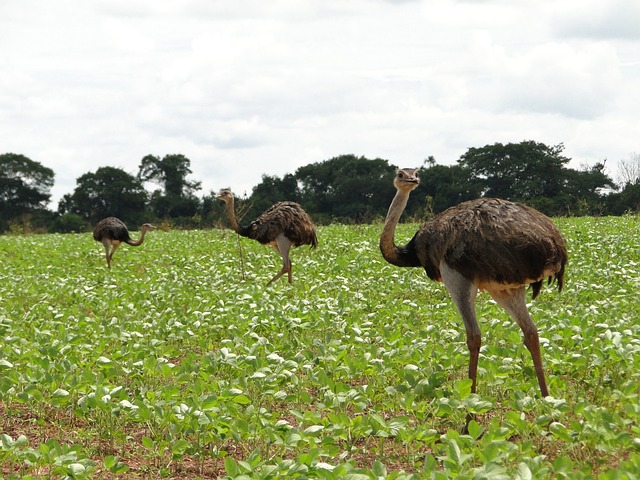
[111, 231]
[283, 225]
[483, 244]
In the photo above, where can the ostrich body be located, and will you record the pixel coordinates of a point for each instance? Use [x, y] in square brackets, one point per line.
[283, 225]
[485, 244]
[111, 231]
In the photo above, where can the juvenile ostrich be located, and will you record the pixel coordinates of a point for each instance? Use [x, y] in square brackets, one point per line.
[111, 231]
[283, 225]
[483, 244]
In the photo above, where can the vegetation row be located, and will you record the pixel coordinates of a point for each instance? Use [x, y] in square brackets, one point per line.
[344, 189]
[179, 362]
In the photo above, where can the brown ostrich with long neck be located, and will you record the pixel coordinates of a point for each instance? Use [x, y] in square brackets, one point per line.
[283, 225]
[486, 244]
[112, 232]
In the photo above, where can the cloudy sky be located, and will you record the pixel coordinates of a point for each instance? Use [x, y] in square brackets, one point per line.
[251, 87]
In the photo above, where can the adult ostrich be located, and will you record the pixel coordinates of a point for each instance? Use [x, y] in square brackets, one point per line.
[111, 231]
[283, 225]
[484, 244]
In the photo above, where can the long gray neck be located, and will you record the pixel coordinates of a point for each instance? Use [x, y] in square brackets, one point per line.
[399, 256]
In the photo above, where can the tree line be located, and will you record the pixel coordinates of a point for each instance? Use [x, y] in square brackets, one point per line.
[346, 189]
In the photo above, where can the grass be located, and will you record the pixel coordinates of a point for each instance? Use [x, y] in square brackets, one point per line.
[180, 363]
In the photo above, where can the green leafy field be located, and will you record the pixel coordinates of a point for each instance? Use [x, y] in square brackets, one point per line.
[180, 363]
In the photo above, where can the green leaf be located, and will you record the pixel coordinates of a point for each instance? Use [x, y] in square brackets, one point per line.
[560, 431]
[463, 387]
[474, 429]
[524, 473]
[455, 457]
[7, 441]
[148, 443]
[231, 467]
[210, 403]
[76, 468]
[60, 393]
[242, 399]
[6, 364]
[314, 429]
[119, 468]
[377, 418]
[379, 470]
[180, 446]
[293, 439]
[475, 404]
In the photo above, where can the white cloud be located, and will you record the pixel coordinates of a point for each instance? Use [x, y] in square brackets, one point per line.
[560, 79]
[614, 19]
[127, 37]
[250, 87]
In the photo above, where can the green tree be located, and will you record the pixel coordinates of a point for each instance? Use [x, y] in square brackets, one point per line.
[628, 198]
[176, 198]
[24, 187]
[517, 171]
[108, 191]
[585, 190]
[536, 174]
[273, 189]
[171, 172]
[68, 223]
[625, 201]
[447, 185]
[346, 188]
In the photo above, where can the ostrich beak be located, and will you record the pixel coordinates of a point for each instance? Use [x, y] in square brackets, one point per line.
[413, 179]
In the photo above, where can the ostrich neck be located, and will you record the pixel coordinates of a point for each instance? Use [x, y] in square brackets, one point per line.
[390, 251]
[140, 240]
[232, 218]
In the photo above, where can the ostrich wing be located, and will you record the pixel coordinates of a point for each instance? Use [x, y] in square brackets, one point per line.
[287, 218]
[491, 241]
[111, 228]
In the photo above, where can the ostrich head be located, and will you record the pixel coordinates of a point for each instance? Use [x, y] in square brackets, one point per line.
[225, 195]
[406, 179]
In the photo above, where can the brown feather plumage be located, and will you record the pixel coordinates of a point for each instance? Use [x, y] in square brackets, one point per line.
[490, 240]
[112, 232]
[483, 244]
[288, 218]
[283, 225]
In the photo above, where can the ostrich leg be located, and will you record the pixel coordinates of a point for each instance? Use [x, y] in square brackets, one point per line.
[282, 246]
[110, 247]
[107, 245]
[514, 301]
[114, 244]
[463, 293]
